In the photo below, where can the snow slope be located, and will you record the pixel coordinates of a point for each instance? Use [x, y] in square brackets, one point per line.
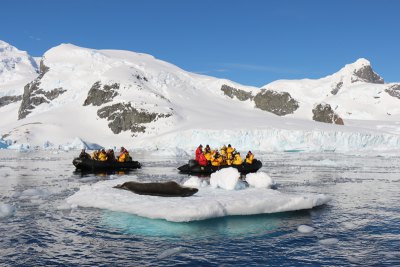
[17, 69]
[186, 109]
[351, 96]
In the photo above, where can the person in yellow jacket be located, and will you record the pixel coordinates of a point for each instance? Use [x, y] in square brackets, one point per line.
[229, 159]
[249, 157]
[207, 153]
[223, 150]
[229, 150]
[216, 160]
[124, 155]
[103, 155]
[237, 160]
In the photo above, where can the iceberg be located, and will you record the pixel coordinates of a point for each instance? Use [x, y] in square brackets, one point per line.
[209, 202]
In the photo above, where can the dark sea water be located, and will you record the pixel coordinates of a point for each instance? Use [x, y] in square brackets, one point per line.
[360, 226]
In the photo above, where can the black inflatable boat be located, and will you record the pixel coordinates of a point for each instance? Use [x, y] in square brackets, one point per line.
[194, 168]
[95, 165]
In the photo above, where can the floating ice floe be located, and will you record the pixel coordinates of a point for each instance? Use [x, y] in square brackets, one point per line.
[6, 210]
[208, 202]
[305, 229]
[33, 193]
[170, 252]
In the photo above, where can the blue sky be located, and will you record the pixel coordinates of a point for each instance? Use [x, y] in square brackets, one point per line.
[252, 42]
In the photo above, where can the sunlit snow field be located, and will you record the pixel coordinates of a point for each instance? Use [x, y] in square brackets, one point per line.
[360, 225]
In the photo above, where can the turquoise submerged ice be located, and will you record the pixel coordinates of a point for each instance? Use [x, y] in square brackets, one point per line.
[210, 201]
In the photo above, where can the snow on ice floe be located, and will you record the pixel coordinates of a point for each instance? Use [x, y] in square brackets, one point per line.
[195, 182]
[259, 180]
[208, 202]
[227, 179]
[6, 210]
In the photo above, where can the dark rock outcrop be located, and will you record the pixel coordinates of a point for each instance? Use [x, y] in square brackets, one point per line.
[366, 74]
[124, 117]
[394, 90]
[43, 69]
[233, 92]
[279, 103]
[324, 113]
[34, 96]
[98, 96]
[336, 89]
[5, 100]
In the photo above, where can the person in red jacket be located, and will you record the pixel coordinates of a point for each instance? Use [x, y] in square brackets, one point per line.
[202, 160]
[199, 151]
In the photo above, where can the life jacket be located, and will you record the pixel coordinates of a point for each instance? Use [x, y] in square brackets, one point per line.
[102, 156]
[202, 160]
[230, 150]
[237, 160]
[208, 155]
[216, 161]
[249, 158]
[123, 157]
[198, 152]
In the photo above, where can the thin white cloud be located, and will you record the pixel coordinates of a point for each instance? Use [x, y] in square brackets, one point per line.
[34, 38]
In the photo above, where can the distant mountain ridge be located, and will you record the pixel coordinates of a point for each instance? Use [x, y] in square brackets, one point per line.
[101, 95]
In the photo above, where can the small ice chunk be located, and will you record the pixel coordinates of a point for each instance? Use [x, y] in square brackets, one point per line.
[169, 252]
[305, 229]
[353, 259]
[35, 193]
[328, 241]
[6, 210]
[226, 179]
[195, 182]
[259, 180]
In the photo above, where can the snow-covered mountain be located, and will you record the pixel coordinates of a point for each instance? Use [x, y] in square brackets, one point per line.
[17, 69]
[354, 92]
[114, 98]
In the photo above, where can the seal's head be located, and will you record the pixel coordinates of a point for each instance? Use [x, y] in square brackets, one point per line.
[120, 186]
[188, 191]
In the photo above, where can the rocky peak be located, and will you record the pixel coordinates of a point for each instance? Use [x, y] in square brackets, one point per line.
[361, 71]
